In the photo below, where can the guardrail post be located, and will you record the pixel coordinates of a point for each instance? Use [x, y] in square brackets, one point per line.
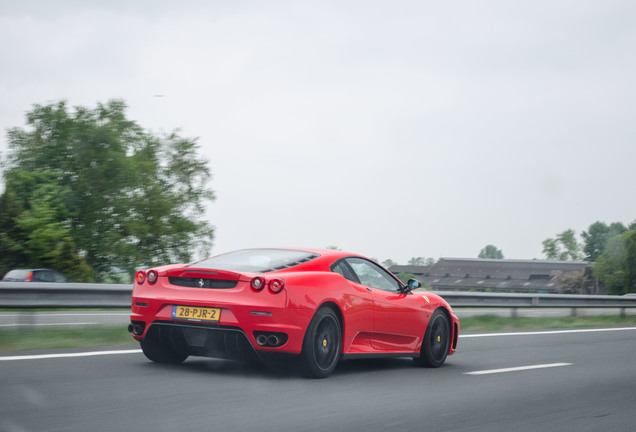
[573, 312]
[513, 312]
[26, 320]
[623, 312]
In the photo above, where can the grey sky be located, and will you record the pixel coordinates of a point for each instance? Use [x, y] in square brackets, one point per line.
[393, 129]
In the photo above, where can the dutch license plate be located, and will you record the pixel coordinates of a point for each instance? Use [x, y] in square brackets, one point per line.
[195, 313]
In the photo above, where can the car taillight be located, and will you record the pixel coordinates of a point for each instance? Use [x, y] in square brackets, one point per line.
[29, 277]
[258, 283]
[276, 285]
[140, 277]
[152, 277]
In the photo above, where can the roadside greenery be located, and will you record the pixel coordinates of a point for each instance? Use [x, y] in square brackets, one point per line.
[88, 192]
[491, 252]
[487, 323]
[56, 337]
[612, 249]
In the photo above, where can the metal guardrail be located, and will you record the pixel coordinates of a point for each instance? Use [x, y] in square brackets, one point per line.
[42, 295]
[37, 295]
[508, 300]
[528, 301]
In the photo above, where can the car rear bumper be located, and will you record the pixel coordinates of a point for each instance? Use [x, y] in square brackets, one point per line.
[265, 330]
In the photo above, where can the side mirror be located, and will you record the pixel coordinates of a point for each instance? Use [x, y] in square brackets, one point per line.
[411, 285]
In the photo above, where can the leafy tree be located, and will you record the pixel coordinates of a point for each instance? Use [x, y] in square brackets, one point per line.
[12, 253]
[388, 263]
[421, 261]
[616, 228]
[92, 186]
[491, 252]
[597, 236]
[564, 247]
[616, 266]
[69, 262]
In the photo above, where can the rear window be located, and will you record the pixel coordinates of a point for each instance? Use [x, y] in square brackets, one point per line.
[16, 275]
[256, 260]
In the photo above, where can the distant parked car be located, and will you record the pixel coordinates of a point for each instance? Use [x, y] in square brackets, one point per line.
[34, 275]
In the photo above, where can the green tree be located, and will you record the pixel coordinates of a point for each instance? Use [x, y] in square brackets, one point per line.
[597, 236]
[564, 247]
[12, 253]
[491, 252]
[121, 196]
[388, 263]
[595, 239]
[616, 266]
[421, 261]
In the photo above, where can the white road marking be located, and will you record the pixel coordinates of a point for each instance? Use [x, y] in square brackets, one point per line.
[67, 355]
[545, 332]
[516, 369]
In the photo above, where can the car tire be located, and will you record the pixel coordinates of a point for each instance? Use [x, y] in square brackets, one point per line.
[436, 341]
[162, 345]
[321, 345]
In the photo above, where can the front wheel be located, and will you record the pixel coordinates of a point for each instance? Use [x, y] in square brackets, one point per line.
[321, 346]
[436, 341]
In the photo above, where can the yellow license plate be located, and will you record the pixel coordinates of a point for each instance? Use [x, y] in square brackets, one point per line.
[195, 313]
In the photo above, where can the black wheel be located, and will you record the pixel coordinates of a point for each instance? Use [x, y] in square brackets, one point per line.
[436, 341]
[164, 345]
[321, 346]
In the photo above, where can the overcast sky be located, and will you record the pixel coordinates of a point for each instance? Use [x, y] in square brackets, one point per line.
[389, 128]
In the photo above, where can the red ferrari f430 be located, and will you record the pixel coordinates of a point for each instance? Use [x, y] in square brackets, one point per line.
[320, 306]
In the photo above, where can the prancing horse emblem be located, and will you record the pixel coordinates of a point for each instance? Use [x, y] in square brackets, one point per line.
[201, 283]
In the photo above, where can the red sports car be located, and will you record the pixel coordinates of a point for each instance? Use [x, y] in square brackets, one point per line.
[318, 305]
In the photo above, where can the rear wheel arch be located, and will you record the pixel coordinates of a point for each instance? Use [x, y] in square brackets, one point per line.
[336, 309]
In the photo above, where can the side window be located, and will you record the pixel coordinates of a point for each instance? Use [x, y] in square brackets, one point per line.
[342, 268]
[39, 276]
[373, 275]
[59, 277]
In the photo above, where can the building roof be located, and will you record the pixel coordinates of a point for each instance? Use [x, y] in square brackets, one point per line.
[493, 274]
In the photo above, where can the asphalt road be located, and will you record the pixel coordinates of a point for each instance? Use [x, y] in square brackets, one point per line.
[571, 381]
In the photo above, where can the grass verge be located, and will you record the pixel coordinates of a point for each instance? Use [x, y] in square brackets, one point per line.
[486, 323]
[51, 337]
[58, 337]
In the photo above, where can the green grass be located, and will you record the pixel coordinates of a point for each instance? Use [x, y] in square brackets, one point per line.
[58, 337]
[486, 323]
[52, 337]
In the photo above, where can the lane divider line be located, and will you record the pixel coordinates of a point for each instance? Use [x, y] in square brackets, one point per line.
[516, 369]
[68, 355]
[546, 332]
